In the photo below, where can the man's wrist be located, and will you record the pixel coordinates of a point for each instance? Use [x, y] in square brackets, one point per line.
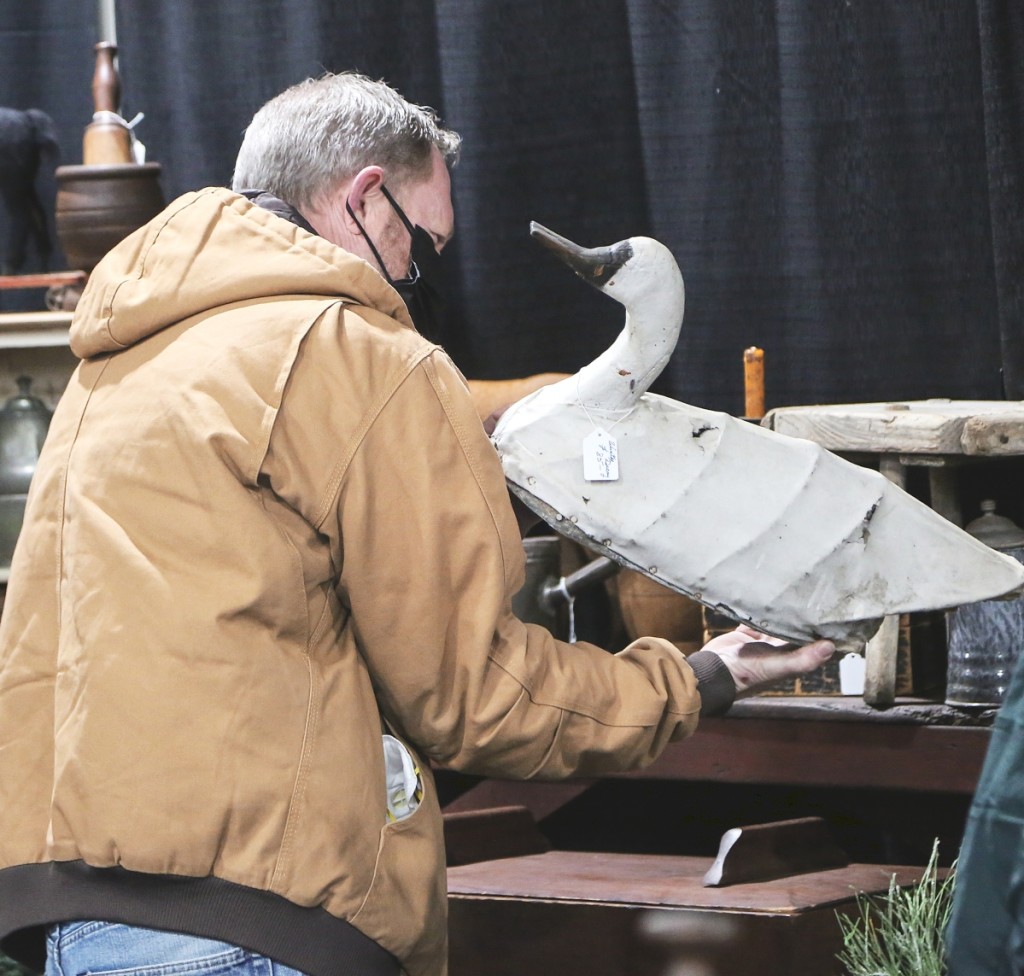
[714, 682]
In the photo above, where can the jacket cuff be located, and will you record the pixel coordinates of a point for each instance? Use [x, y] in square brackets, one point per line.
[714, 682]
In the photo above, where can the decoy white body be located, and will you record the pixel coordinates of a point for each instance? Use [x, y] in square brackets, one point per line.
[773, 530]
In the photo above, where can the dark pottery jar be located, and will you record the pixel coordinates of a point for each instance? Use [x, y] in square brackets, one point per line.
[24, 421]
[99, 206]
[985, 638]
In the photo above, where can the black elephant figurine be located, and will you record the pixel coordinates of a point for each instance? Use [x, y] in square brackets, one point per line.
[27, 139]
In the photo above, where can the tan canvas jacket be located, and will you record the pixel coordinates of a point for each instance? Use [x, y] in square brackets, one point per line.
[267, 518]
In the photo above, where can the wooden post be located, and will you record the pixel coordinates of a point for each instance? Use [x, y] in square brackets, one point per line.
[753, 382]
[945, 494]
[880, 653]
[880, 664]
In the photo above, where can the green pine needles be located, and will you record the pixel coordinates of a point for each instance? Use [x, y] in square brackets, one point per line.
[901, 933]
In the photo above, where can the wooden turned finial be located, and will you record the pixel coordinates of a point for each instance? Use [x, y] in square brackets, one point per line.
[106, 85]
[107, 139]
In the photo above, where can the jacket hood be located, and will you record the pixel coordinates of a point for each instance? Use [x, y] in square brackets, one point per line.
[208, 249]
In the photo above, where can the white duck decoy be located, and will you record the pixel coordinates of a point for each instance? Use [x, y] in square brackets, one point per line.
[772, 530]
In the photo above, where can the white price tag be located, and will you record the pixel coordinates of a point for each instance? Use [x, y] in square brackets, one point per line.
[852, 670]
[600, 457]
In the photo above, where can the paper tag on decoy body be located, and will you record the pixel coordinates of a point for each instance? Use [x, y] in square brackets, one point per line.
[600, 457]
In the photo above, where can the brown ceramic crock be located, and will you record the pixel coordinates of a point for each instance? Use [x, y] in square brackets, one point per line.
[99, 206]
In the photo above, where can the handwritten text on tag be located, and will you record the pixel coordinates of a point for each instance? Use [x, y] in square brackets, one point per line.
[600, 457]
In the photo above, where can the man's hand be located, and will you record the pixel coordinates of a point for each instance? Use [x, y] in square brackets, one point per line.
[755, 659]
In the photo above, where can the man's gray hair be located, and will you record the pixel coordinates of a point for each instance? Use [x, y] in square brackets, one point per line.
[319, 133]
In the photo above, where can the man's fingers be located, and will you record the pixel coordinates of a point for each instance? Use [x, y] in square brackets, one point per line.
[756, 663]
[761, 637]
[812, 656]
[749, 631]
[821, 650]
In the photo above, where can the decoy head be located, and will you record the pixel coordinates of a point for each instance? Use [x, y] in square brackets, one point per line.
[641, 274]
[628, 271]
[595, 265]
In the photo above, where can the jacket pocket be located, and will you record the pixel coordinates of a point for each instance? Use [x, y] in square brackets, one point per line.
[405, 908]
[402, 778]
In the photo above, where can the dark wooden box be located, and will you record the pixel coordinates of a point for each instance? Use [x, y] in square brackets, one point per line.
[563, 913]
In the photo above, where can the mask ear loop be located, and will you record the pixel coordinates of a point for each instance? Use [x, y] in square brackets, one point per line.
[414, 269]
[397, 209]
[369, 242]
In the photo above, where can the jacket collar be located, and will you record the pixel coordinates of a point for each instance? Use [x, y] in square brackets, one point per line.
[278, 207]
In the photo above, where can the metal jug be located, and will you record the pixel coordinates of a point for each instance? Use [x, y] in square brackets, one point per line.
[24, 421]
[547, 597]
[985, 638]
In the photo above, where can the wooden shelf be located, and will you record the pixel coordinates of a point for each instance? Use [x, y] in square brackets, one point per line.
[54, 279]
[851, 708]
[34, 330]
[867, 754]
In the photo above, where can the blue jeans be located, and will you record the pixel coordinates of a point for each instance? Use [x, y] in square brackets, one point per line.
[76, 948]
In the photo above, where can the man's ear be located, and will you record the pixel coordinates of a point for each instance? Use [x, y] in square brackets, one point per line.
[362, 190]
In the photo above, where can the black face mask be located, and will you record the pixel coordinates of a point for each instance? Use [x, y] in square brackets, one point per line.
[421, 289]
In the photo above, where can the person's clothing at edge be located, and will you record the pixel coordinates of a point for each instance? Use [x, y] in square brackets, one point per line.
[985, 935]
[97, 947]
[265, 519]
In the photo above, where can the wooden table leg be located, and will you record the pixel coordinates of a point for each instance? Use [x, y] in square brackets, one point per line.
[944, 494]
[880, 653]
[880, 664]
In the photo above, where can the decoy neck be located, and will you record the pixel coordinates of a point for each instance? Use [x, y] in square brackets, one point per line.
[642, 275]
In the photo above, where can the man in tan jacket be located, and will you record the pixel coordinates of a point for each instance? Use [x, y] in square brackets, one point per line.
[264, 583]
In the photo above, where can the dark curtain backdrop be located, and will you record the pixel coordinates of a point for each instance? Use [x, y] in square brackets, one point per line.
[840, 181]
